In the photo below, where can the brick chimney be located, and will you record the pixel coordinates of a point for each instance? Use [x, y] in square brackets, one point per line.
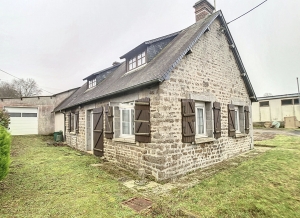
[202, 9]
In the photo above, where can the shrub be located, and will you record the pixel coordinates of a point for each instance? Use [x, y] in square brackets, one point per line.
[5, 141]
[4, 119]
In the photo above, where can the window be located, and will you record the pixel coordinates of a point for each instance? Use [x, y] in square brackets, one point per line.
[296, 101]
[286, 102]
[72, 122]
[264, 104]
[237, 120]
[15, 114]
[127, 120]
[29, 114]
[200, 119]
[137, 61]
[92, 83]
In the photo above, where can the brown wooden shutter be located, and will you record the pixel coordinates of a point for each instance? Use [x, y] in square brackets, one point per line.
[188, 120]
[69, 121]
[246, 110]
[98, 131]
[231, 120]
[77, 122]
[142, 120]
[109, 119]
[217, 119]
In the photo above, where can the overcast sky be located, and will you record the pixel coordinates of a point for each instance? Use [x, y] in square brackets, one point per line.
[60, 42]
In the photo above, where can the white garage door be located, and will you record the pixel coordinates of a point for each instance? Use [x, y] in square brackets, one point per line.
[23, 120]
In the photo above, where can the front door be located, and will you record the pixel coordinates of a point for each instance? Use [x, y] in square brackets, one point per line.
[98, 131]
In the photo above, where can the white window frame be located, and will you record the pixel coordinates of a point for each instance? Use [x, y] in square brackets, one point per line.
[92, 83]
[237, 119]
[137, 61]
[130, 107]
[200, 105]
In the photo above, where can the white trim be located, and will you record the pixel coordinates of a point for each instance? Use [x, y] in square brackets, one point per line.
[129, 107]
[200, 105]
[237, 121]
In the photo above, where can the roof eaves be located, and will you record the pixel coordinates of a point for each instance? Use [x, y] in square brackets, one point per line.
[294, 95]
[112, 93]
[167, 73]
[239, 61]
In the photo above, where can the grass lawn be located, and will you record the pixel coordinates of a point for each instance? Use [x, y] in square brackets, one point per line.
[265, 186]
[47, 181]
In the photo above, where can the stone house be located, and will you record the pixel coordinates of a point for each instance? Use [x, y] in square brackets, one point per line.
[177, 103]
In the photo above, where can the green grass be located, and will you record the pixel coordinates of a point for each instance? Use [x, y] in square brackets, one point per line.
[282, 141]
[265, 186]
[48, 181]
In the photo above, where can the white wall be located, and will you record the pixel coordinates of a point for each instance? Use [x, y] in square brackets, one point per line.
[59, 122]
[275, 111]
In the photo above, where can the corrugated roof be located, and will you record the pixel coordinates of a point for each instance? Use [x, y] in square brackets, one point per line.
[294, 95]
[153, 72]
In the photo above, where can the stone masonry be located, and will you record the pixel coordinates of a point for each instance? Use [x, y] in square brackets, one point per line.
[210, 71]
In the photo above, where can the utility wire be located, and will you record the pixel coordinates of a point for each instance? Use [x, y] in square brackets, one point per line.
[247, 12]
[20, 79]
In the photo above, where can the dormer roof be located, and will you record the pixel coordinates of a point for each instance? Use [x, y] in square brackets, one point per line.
[144, 45]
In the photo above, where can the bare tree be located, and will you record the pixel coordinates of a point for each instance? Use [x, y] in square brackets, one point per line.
[7, 90]
[19, 88]
[26, 87]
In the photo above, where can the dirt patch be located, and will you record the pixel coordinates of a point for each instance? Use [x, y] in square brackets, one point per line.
[261, 136]
[265, 134]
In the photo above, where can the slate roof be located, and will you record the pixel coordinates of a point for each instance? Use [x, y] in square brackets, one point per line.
[156, 70]
[102, 71]
[144, 44]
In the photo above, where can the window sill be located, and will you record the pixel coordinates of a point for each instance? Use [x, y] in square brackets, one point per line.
[89, 89]
[204, 140]
[127, 140]
[135, 69]
[240, 135]
[72, 133]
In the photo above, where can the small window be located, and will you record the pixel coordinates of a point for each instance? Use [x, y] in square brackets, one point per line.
[92, 83]
[127, 120]
[237, 120]
[29, 114]
[72, 124]
[287, 102]
[200, 119]
[296, 101]
[14, 114]
[137, 61]
[264, 104]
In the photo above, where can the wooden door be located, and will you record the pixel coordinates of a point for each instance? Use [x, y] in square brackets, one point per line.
[98, 131]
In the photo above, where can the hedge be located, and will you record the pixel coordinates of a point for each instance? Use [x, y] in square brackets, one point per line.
[5, 141]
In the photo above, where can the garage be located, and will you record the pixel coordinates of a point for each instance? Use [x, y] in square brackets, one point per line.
[23, 120]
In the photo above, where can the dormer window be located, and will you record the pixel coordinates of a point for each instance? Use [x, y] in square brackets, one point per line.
[137, 61]
[91, 83]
